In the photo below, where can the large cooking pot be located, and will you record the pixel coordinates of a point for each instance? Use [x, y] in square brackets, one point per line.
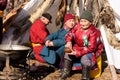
[17, 53]
[8, 48]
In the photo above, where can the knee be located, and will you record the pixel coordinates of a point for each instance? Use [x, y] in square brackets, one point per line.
[85, 61]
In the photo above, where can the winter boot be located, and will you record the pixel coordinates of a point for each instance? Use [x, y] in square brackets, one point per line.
[85, 72]
[66, 70]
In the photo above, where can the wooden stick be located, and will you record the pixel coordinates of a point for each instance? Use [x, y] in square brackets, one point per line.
[41, 9]
[113, 72]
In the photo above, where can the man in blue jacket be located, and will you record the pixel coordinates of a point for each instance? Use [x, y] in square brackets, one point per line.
[55, 42]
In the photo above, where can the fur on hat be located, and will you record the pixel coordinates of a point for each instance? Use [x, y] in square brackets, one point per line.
[87, 15]
[68, 16]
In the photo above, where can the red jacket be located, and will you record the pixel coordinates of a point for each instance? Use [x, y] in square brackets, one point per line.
[85, 41]
[38, 33]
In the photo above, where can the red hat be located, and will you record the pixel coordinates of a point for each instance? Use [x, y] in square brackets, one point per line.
[68, 16]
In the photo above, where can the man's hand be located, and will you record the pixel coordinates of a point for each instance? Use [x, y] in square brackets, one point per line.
[49, 43]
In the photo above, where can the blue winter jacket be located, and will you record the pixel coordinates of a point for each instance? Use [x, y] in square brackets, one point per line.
[49, 54]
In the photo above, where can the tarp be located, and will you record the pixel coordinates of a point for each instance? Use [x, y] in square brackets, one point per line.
[115, 4]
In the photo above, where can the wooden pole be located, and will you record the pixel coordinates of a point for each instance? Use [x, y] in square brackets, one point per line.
[41, 9]
[113, 72]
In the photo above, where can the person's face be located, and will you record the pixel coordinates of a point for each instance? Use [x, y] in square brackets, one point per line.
[85, 24]
[70, 23]
[45, 20]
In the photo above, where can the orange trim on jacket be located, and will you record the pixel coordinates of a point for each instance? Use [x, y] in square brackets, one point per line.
[36, 44]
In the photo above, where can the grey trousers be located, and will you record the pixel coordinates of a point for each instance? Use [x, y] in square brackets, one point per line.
[84, 60]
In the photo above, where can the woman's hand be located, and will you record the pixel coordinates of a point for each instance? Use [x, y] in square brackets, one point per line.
[68, 45]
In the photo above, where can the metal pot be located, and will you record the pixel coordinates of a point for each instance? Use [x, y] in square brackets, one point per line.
[9, 48]
[17, 53]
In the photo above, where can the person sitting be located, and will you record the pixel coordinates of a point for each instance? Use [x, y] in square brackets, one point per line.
[38, 33]
[55, 42]
[85, 46]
